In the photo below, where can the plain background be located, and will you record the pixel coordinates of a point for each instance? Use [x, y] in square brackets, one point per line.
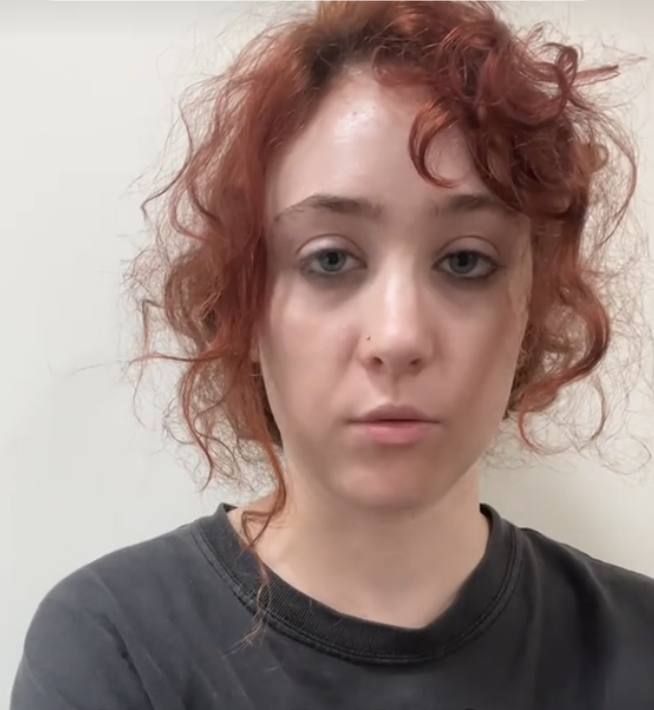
[88, 93]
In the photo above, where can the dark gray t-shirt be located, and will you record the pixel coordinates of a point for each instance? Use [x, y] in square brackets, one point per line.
[160, 626]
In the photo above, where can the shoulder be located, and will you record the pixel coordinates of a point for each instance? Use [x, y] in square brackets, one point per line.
[619, 596]
[129, 589]
[590, 623]
[94, 634]
[130, 572]
[131, 582]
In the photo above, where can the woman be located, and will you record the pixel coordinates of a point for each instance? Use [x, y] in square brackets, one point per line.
[380, 262]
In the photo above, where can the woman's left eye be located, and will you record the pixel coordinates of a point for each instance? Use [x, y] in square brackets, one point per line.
[470, 265]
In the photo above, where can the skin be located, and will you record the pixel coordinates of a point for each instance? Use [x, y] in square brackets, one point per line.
[398, 292]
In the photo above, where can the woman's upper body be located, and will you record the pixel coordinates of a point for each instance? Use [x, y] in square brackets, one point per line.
[382, 255]
[162, 626]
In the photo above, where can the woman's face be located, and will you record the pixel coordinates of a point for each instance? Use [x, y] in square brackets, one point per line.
[385, 290]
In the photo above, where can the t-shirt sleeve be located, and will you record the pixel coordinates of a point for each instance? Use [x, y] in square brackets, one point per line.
[73, 657]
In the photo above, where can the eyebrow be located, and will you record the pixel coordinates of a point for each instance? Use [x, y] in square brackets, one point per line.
[460, 203]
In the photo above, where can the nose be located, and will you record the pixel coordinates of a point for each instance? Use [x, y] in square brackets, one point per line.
[397, 330]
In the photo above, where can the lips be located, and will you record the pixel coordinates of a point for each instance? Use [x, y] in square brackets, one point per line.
[395, 426]
[394, 413]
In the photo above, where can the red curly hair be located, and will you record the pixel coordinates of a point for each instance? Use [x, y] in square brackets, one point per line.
[539, 141]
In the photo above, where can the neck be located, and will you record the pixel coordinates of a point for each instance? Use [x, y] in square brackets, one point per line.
[403, 568]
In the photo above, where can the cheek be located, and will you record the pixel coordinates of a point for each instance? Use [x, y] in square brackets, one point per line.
[302, 353]
[484, 359]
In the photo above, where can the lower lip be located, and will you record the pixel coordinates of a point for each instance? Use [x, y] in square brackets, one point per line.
[396, 433]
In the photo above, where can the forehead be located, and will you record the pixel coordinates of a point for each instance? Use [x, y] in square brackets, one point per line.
[358, 144]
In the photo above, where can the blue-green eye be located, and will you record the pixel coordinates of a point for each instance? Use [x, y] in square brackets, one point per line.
[329, 261]
[469, 265]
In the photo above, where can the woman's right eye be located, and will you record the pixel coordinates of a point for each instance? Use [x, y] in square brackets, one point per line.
[328, 262]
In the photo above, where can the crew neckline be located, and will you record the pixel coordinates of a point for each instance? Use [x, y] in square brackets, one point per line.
[481, 600]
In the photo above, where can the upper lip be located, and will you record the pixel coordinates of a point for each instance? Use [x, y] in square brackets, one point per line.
[394, 413]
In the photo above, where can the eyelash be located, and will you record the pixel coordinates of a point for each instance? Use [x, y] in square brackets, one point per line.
[492, 265]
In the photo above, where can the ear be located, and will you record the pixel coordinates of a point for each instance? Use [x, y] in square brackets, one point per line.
[255, 355]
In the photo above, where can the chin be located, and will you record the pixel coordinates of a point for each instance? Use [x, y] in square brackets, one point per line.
[391, 490]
